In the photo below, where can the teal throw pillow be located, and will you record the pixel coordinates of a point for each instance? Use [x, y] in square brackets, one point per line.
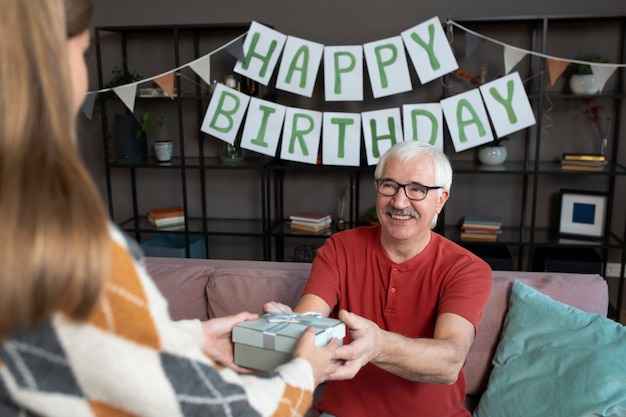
[555, 360]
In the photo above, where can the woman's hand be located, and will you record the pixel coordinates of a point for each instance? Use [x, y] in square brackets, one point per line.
[218, 338]
[322, 359]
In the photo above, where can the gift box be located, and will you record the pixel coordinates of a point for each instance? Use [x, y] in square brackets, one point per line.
[269, 341]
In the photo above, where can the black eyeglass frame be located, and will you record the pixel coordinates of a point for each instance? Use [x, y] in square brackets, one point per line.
[426, 187]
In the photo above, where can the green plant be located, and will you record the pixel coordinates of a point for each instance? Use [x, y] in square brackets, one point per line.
[575, 68]
[121, 77]
[372, 215]
[148, 121]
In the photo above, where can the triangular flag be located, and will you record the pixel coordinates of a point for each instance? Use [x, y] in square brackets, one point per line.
[602, 74]
[555, 69]
[202, 67]
[512, 56]
[236, 49]
[127, 94]
[166, 82]
[471, 43]
[88, 104]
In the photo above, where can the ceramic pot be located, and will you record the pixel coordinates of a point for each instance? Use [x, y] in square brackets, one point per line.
[583, 84]
[163, 150]
[492, 155]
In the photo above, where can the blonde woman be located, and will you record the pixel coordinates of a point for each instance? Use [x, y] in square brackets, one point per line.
[83, 330]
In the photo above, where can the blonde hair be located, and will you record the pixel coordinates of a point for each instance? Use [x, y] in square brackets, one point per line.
[54, 252]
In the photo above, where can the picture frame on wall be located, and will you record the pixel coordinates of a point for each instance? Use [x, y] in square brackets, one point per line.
[582, 214]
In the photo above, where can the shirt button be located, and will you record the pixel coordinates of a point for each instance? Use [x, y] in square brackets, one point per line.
[395, 270]
[393, 290]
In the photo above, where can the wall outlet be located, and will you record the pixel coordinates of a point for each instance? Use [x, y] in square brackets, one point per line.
[613, 269]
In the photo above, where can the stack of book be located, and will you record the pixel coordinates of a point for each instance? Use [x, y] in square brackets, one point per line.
[310, 222]
[167, 218]
[481, 228]
[582, 162]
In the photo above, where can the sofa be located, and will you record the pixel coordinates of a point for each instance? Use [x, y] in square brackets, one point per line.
[205, 288]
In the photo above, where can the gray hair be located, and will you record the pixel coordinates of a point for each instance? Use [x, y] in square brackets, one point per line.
[403, 151]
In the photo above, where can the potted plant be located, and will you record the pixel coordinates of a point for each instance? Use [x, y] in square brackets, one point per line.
[162, 148]
[131, 144]
[582, 80]
[372, 216]
[494, 152]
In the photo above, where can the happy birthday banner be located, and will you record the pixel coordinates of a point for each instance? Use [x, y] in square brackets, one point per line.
[469, 116]
[300, 131]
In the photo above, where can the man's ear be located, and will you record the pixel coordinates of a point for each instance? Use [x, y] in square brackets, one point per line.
[441, 201]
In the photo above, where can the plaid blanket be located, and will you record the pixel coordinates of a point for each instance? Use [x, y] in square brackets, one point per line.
[130, 359]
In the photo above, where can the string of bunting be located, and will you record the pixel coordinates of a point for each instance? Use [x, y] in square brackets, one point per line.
[501, 105]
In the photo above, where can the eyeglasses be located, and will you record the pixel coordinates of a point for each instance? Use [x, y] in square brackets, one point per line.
[413, 191]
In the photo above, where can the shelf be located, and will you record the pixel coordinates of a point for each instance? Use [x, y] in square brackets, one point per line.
[474, 167]
[554, 132]
[195, 178]
[514, 236]
[235, 227]
[250, 163]
[520, 188]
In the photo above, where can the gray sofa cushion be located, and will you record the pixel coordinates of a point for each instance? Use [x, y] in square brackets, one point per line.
[183, 286]
[232, 290]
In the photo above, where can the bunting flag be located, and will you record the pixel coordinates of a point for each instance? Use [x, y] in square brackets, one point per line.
[556, 67]
[127, 94]
[89, 104]
[166, 82]
[468, 116]
[237, 46]
[299, 65]
[602, 74]
[472, 42]
[387, 65]
[202, 67]
[236, 49]
[512, 56]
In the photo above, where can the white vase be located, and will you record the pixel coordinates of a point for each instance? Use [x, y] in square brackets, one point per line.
[583, 84]
[492, 155]
[163, 150]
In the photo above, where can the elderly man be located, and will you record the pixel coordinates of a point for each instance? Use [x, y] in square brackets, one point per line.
[410, 298]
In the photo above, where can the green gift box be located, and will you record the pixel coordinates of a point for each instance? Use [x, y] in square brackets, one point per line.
[269, 341]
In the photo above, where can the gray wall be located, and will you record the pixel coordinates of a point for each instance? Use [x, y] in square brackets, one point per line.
[339, 22]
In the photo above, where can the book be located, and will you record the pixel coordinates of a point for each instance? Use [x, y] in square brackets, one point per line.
[482, 221]
[481, 231]
[165, 212]
[479, 228]
[582, 168]
[179, 226]
[310, 227]
[322, 231]
[166, 221]
[483, 237]
[482, 228]
[310, 217]
[583, 157]
[320, 223]
[583, 165]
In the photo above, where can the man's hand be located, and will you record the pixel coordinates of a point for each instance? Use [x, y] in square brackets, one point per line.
[275, 305]
[217, 338]
[364, 335]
